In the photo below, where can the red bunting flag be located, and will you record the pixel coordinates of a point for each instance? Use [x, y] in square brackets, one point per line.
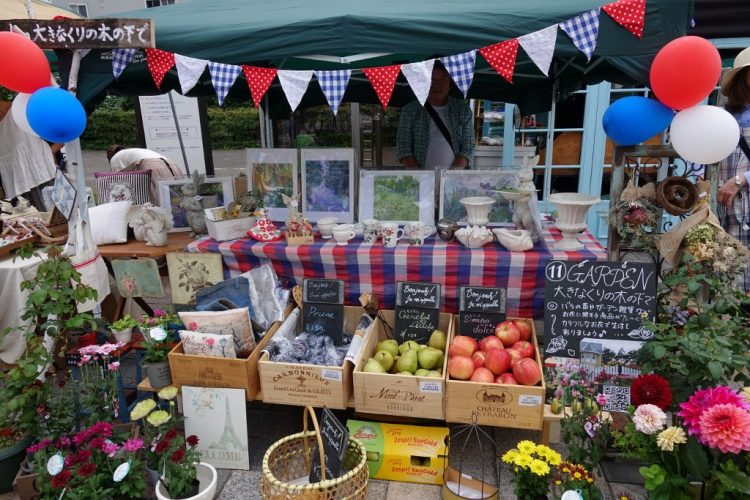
[159, 62]
[258, 79]
[630, 14]
[383, 79]
[502, 57]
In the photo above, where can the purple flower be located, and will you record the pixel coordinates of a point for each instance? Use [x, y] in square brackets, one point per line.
[113, 366]
[133, 444]
[110, 449]
[159, 313]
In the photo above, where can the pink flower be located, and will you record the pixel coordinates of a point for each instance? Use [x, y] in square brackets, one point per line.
[601, 399]
[39, 446]
[704, 399]
[649, 419]
[89, 350]
[113, 366]
[133, 444]
[210, 342]
[727, 427]
[103, 428]
[193, 326]
[159, 313]
[84, 359]
[110, 449]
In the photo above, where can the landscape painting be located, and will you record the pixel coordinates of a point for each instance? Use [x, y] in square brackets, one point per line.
[457, 184]
[328, 184]
[397, 196]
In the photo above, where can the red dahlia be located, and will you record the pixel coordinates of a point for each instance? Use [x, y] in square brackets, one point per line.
[178, 455]
[61, 479]
[161, 446]
[87, 469]
[651, 389]
[171, 434]
[192, 440]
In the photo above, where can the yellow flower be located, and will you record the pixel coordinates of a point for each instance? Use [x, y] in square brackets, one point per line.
[168, 393]
[539, 467]
[590, 480]
[523, 460]
[553, 457]
[558, 482]
[670, 437]
[746, 393]
[510, 456]
[158, 417]
[527, 447]
[142, 409]
[577, 475]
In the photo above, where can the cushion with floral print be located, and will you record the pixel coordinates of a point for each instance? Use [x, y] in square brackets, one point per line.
[208, 344]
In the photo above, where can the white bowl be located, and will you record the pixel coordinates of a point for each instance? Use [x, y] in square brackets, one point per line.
[515, 240]
[474, 236]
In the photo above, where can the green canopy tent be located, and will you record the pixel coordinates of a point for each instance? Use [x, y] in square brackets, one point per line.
[329, 34]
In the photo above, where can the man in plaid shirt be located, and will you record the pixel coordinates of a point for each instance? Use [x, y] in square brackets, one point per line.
[420, 141]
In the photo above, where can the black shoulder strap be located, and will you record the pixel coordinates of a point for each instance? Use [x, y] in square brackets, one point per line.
[440, 125]
[745, 148]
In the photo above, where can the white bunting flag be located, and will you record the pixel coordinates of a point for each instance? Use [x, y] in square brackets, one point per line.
[189, 71]
[540, 46]
[419, 76]
[295, 85]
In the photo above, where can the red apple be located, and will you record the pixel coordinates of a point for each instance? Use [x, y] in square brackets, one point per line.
[515, 355]
[525, 348]
[491, 342]
[498, 361]
[460, 367]
[482, 375]
[478, 358]
[524, 328]
[462, 345]
[506, 378]
[527, 372]
[507, 333]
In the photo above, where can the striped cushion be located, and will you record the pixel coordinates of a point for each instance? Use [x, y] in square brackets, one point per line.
[121, 186]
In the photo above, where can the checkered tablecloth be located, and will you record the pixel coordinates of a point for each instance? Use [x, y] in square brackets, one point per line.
[374, 268]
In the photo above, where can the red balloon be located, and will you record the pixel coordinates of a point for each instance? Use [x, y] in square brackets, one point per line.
[685, 71]
[23, 67]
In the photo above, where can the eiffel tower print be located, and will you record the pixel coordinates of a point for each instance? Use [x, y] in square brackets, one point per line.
[228, 440]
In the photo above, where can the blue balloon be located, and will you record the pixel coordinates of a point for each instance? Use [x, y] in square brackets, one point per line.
[632, 120]
[55, 115]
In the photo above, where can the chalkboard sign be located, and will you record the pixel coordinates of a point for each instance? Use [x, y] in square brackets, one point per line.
[424, 295]
[480, 310]
[414, 323]
[593, 307]
[323, 291]
[335, 437]
[324, 319]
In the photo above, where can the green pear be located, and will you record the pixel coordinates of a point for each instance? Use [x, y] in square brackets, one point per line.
[435, 374]
[555, 406]
[389, 345]
[394, 368]
[422, 373]
[373, 366]
[437, 340]
[384, 358]
[405, 373]
[429, 357]
[407, 362]
[422, 346]
[408, 346]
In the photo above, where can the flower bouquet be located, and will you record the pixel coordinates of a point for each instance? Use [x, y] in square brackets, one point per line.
[531, 465]
[99, 367]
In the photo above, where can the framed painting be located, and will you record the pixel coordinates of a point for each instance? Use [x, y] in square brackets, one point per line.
[457, 184]
[216, 192]
[328, 184]
[138, 278]
[397, 196]
[273, 172]
[190, 272]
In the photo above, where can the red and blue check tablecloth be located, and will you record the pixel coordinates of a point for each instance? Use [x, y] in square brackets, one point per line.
[376, 269]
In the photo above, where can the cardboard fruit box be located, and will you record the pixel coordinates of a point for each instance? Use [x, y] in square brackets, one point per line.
[498, 405]
[210, 371]
[313, 385]
[407, 453]
[395, 394]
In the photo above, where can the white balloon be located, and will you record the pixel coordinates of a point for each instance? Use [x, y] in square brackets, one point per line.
[704, 134]
[18, 112]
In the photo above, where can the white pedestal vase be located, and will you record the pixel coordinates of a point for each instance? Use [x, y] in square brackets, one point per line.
[571, 217]
[477, 209]
[206, 489]
[123, 335]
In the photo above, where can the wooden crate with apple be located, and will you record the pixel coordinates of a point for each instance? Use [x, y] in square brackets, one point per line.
[499, 379]
[419, 395]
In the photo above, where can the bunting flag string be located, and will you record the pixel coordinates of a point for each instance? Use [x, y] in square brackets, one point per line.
[540, 47]
[461, 69]
[120, 60]
[630, 14]
[258, 79]
[502, 57]
[294, 84]
[223, 77]
[333, 84]
[189, 71]
[159, 62]
[583, 30]
[383, 80]
[419, 76]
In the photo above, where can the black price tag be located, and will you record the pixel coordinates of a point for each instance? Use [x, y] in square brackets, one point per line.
[424, 295]
[413, 323]
[480, 310]
[335, 437]
[324, 319]
[323, 291]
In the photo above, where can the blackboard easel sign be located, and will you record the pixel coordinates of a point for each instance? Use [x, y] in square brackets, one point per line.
[323, 308]
[480, 310]
[592, 306]
[417, 311]
[335, 437]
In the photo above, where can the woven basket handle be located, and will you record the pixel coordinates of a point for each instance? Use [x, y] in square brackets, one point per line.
[309, 410]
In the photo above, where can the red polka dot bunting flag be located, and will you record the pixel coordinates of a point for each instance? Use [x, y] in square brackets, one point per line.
[630, 14]
[383, 79]
[502, 57]
[159, 62]
[258, 79]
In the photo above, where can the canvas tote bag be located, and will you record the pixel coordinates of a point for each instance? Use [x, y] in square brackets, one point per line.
[89, 263]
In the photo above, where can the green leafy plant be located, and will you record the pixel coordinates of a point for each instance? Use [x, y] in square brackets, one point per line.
[125, 322]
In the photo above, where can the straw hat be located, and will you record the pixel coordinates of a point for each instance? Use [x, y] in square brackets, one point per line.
[741, 61]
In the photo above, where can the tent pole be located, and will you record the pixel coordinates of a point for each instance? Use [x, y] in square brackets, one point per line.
[179, 133]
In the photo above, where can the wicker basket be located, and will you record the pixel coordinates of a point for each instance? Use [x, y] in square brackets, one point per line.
[291, 458]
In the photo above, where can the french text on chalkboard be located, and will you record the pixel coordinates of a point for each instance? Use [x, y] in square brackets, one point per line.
[335, 437]
[323, 291]
[324, 319]
[424, 295]
[414, 323]
[597, 302]
[482, 299]
[478, 325]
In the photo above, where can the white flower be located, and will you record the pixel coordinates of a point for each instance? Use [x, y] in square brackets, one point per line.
[649, 419]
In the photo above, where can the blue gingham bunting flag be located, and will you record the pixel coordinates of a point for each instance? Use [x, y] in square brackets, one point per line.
[583, 30]
[120, 60]
[333, 83]
[461, 69]
[223, 77]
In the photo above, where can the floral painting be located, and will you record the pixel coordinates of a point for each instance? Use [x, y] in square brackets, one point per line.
[190, 272]
[459, 184]
[138, 278]
[328, 184]
[273, 173]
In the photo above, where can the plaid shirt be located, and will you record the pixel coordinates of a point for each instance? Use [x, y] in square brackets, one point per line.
[414, 130]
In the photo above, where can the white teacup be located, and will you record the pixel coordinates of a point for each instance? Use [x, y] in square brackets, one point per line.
[326, 230]
[370, 230]
[390, 232]
[343, 233]
[418, 231]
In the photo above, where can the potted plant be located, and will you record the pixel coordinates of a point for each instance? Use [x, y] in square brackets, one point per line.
[97, 386]
[568, 476]
[156, 343]
[531, 465]
[122, 329]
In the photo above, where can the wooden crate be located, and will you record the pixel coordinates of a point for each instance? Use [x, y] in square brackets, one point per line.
[313, 385]
[498, 405]
[209, 371]
[393, 394]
